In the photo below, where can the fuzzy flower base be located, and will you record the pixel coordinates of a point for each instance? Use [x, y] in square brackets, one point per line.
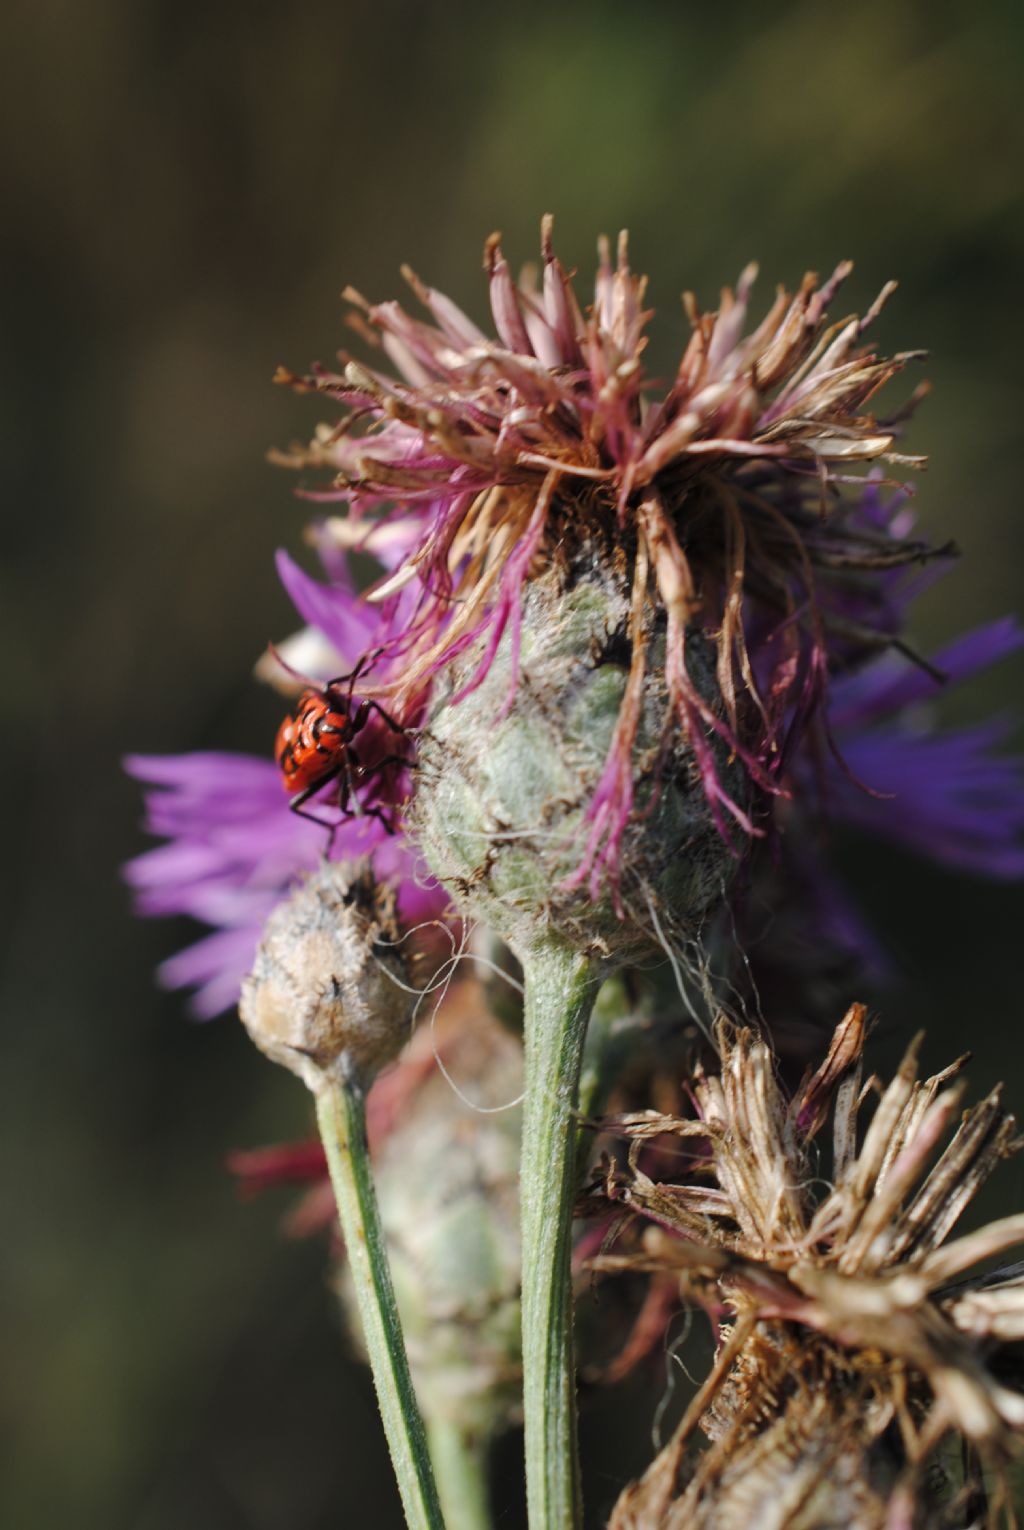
[861, 1380]
[508, 775]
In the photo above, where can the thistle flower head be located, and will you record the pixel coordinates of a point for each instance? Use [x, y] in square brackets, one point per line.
[710, 503]
[848, 1350]
[618, 619]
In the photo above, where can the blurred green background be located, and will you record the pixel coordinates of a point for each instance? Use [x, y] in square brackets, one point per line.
[186, 188]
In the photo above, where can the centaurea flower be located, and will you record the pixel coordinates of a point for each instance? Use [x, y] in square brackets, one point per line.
[716, 502]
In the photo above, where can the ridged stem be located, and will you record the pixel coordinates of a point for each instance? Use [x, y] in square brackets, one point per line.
[560, 989]
[341, 1114]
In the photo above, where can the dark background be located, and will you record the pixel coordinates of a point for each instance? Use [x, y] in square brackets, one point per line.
[186, 188]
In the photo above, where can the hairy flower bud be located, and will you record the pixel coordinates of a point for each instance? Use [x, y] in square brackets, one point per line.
[328, 989]
[567, 750]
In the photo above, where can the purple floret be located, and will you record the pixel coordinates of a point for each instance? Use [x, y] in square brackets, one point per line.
[950, 794]
[233, 850]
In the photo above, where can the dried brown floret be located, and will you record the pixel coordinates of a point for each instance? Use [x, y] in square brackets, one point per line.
[848, 1360]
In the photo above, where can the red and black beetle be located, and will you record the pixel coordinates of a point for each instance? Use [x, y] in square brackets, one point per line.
[315, 745]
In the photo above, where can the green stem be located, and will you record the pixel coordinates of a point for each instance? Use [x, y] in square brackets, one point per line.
[341, 1114]
[460, 1463]
[611, 1007]
[560, 989]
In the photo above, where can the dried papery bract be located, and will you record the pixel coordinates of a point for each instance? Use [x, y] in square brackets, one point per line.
[851, 1352]
[329, 999]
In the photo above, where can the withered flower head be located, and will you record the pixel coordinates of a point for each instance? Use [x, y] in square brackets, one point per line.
[848, 1355]
[328, 990]
[546, 468]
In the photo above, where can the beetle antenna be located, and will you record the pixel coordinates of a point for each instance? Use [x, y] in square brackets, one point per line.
[296, 674]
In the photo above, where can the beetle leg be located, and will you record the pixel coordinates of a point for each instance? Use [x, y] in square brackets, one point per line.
[394, 759]
[298, 802]
[375, 706]
[382, 818]
[364, 773]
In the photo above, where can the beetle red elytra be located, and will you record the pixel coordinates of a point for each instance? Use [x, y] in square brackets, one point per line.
[315, 745]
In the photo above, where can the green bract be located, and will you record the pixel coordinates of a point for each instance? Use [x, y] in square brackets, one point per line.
[508, 777]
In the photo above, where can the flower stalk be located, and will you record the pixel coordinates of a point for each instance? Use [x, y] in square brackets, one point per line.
[329, 999]
[560, 985]
[341, 1116]
[460, 1465]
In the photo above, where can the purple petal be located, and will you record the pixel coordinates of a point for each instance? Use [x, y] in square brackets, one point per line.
[335, 610]
[953, 798]
[892, 684]
[233, 850]
[215, 967]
